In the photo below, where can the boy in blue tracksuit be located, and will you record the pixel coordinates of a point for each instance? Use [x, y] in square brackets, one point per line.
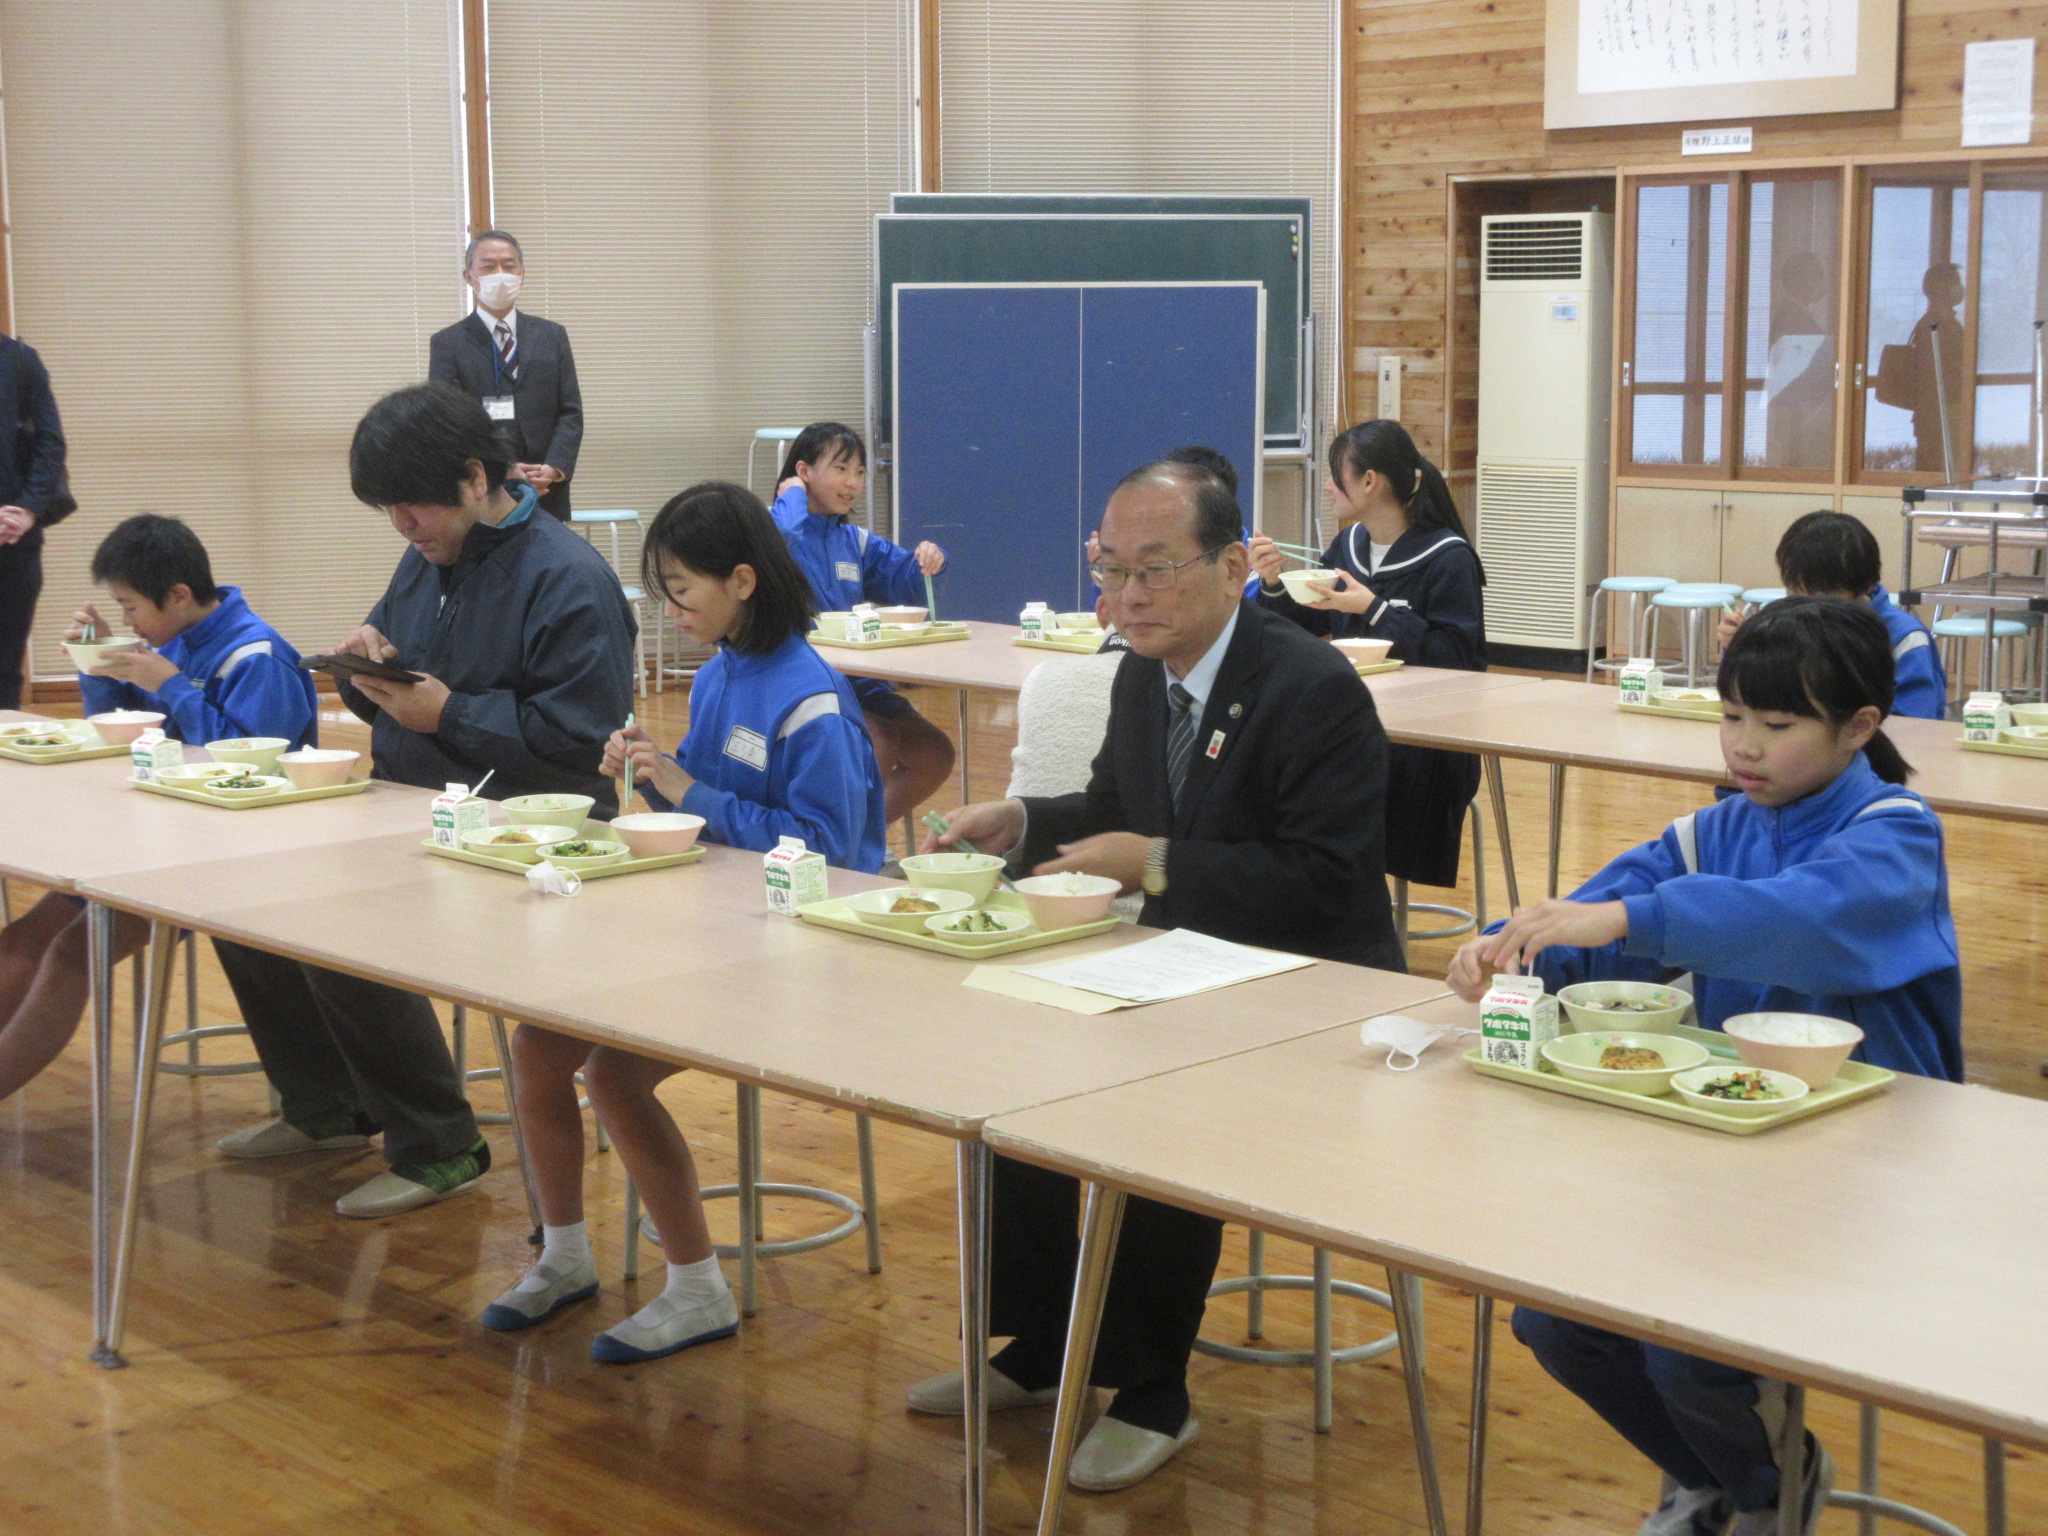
[215, 670]
[1831, 554]
[775, 749]
[1818, 886]
[822, 477]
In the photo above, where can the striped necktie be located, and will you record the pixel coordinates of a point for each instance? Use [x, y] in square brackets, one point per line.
[1180, 737]
[508, 351]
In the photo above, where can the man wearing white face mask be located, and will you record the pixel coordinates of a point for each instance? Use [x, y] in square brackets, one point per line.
[520, 366]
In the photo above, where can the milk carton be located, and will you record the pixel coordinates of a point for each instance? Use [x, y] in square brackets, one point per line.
[1640, 680]
[864, 623]
[1515, 1020]
[152, 752]
[1036, 620]
[795, 876]
[455, 812]
[1984, 715]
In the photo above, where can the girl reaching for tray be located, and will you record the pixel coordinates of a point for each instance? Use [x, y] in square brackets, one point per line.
[1816, 885]
[775, 748]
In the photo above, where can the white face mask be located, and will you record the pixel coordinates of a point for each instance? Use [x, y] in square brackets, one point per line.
[497, 290]
[1403, 1036]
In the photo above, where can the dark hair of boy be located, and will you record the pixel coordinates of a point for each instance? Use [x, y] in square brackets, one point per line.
[149, 555]
[414, 448]
[715, 527]
[1196, 455]
[1829, 552]
[822, 442]
[1218, 522]
[1821, 658]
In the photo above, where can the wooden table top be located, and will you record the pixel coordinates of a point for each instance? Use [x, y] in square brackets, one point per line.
[1579, 724]
[61, 823]
[687, 964]
[1762, 1251]
[988, 658]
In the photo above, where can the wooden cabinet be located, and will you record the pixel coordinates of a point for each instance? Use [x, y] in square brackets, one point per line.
[1705, 534]
[1752, 522]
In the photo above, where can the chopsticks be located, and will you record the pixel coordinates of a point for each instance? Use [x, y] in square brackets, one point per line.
[938, 824]
[1299, 551]
[626, 791]
[931, 602]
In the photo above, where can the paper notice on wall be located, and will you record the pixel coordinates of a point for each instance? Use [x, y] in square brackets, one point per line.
[1998, 92]
[1644, 45]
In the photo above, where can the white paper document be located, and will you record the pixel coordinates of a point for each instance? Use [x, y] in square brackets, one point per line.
[1643, 45]
[1176, 964]
[1998, 92]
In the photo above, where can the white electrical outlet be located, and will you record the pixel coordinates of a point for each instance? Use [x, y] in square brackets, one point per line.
[1390, 386]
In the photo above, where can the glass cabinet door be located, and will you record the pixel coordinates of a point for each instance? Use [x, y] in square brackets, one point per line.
[2012, 300]
[1679, 345]
[1915, 397]
[1789, 351]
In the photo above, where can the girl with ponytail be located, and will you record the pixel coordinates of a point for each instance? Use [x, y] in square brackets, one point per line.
[1402, 570]
[1815, 885]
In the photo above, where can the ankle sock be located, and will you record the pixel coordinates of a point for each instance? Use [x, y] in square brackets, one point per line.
[563, 1248]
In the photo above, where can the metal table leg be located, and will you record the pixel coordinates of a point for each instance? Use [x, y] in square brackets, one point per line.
[1791, 1460]
[749, 1195]
[1406, 1324]
[1482, 1397]
[502, 1043]
[974, 1165]
[155, 969]
[966, 752]
[99, 929]
[1496, 788]
[1102, 1216]
[1994, 1488]
[1556, 821]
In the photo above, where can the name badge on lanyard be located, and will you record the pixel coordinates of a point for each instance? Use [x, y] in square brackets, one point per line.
[499, 407]
[749, 747]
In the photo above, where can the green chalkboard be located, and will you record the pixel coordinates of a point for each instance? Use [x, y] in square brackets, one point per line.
[1110, 244]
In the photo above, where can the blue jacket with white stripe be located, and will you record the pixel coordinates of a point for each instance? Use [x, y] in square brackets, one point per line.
[844, 563]
[1836, 904]
[236, 677]
[1920, 686]
[778, 749]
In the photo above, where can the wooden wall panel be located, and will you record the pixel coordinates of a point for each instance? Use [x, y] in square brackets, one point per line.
[1445, 88]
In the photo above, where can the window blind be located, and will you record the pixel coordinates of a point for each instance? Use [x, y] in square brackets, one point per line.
[233, 228]
[1184, 97]
[694, 183]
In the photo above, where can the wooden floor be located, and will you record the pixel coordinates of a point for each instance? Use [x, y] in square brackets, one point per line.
[296, 1373]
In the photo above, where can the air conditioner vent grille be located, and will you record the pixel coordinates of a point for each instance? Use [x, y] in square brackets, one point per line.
[1552, 250]
[1529, 522]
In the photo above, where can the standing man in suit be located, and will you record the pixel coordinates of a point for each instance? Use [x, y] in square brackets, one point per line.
[1240, 786]
[520, 366]
[34, 495]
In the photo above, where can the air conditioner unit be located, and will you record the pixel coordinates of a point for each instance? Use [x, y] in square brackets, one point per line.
[1545, 318]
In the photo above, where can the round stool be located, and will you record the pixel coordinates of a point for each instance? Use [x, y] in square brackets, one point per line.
[1756, 597]
[1637, 587]
[1462, 922]
[1699, 604]
[1959, 631]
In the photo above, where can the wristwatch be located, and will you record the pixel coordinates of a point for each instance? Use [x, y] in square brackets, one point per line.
[1154, 881]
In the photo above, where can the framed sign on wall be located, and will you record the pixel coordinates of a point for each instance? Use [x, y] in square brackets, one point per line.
[1609, 62]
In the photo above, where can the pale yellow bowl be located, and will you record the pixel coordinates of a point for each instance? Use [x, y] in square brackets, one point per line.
[268, 785]
[873, 906]
[87, 656]
[258, 752]
[484, 840]
[548, 810]
[195, 775]
[609, 853]
[833, 625]
[1581, 1001]
[1307, 587]
[1081, 623]
[1687, 1085]
[974, 873]
[1010, 924]
[1578, 1058]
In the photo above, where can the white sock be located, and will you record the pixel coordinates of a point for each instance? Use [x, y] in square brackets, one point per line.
[695, 1300]
[565, 1247]
[564, 1265]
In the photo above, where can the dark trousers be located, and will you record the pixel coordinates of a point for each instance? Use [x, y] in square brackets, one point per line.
[1158, 1286]
[21, 583]
[1704, 1425]
[331, 1044]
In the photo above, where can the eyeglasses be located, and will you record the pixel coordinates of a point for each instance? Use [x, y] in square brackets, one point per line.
[1157, 576]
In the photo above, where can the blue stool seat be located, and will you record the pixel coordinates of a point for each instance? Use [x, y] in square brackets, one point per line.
[1637, 583]
[1974, 627]
[1692, 597]
[1636, 588]
[1762, 595]
[616, 516]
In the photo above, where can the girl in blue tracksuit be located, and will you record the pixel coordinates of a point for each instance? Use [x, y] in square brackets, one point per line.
[1405, 572]
[214, 671]
[1818, 886]
[1831, 554]
[822, 477]
[775, 749]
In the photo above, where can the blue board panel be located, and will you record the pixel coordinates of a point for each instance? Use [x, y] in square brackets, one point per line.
[1165, 367]
[988, 443]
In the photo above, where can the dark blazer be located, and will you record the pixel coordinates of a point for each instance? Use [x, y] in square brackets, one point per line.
[1279, 838]
[547, 424]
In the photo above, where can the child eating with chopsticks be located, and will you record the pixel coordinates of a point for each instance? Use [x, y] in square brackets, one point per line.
[775, 748]
[1816, 886]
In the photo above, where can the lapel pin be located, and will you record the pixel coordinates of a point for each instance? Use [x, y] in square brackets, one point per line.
[1236, 710]
[1215, 745]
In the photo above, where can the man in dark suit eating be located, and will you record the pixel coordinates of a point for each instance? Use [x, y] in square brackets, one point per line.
[520, 366]
[1240, 786]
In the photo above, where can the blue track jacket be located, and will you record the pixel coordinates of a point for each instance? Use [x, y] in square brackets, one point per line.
[777, 748]
[1836, 904]
[1920, 686]
[844, 563]
[236, 677]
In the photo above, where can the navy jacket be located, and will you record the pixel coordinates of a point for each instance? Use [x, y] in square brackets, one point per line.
[25, 397]
[1431, 607]
[532, 634]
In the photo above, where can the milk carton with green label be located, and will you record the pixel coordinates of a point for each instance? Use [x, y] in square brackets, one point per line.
[795, 876]
[1984, 716]
[151, 753]
[1641, 680]
[456, 811]
[864, 623]
[1516, 1019]
[1036, 621]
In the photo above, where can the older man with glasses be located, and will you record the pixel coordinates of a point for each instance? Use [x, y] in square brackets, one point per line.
[1240, 787]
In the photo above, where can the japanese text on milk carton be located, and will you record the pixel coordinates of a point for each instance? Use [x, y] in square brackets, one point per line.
[1516, 1020]
[151, 753]
[1640, 681]
[795, 876]
[1984, 715]
[457, 811]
